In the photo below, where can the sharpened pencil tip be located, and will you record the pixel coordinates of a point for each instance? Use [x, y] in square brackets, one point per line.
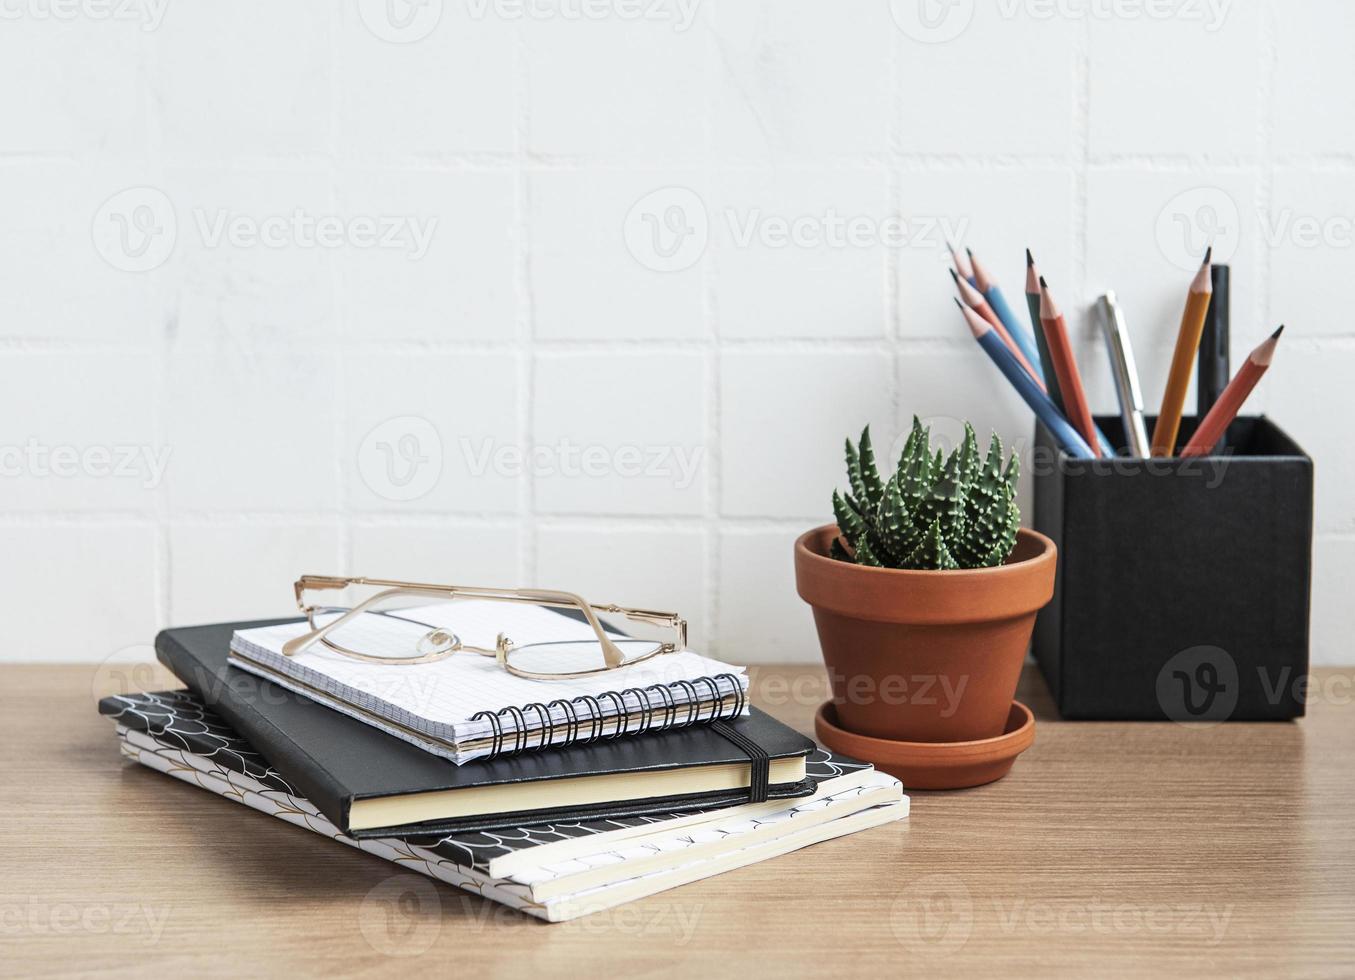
[958, 303]
[1043, 284]
[954, 275]
[1275, 336]
[969, 251]
[1030, 259]
[1208, 254]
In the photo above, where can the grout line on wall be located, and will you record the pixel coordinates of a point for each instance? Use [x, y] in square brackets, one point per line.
[524, 340]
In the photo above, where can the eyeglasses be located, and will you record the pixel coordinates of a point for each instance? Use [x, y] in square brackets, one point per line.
[381, 630]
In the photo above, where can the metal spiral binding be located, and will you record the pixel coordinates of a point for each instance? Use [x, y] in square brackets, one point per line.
[651, 700]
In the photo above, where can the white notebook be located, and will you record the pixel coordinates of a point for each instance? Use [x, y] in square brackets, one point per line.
[467, 707]
[790, 829]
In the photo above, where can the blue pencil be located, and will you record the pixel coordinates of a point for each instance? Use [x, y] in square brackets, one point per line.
[1073, 444]
[992, 292]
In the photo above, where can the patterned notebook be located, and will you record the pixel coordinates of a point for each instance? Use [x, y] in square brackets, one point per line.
[214, 772]
[180, 719]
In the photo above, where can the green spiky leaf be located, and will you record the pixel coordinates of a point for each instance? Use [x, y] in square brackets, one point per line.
[849, 522]
[871, 484]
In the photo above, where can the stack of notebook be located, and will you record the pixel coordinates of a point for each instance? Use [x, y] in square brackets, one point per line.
[570, 797]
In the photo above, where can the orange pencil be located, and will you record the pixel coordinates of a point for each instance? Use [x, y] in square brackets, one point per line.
[975, 301]
[1065, 367]
[1183, 360]
[1206, 437]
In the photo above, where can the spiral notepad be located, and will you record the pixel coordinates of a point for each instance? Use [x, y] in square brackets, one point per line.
[468, 707]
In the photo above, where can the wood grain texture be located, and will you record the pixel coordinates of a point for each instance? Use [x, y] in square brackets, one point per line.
[1111, 849]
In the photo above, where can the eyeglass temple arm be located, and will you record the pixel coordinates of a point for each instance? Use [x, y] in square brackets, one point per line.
[655, 618]
[299, 643]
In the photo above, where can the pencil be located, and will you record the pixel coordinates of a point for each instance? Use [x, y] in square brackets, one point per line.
[1206, 437]
[962, 265]
[992, 292]
[1065, 366]
[1051, 379]
[975, 301]
[1020, 379]
[1187, 343]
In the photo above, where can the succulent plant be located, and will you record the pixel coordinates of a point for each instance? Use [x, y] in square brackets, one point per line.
[934, 512]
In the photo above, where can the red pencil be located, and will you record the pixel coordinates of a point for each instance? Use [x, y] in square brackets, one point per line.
[975, 301]
[1065, 367]
[1211, 429]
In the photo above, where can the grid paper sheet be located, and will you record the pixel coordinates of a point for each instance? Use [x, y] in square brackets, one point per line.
[437, 700]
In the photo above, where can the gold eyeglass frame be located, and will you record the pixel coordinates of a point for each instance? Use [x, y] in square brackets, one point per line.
[612, 657]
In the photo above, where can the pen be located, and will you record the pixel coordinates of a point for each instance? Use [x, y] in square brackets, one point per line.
[1211, 372]
[1125, 373]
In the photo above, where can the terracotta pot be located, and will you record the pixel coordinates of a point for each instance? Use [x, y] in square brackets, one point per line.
[924, 656]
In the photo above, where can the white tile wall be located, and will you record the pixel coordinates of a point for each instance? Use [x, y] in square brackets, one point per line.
[711, 230]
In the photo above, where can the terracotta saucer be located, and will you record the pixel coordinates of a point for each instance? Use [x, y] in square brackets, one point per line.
[933, 765]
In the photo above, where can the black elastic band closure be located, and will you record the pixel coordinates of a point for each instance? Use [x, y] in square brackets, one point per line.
[760, 780]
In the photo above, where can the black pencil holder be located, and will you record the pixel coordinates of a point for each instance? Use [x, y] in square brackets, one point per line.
[1183, 584]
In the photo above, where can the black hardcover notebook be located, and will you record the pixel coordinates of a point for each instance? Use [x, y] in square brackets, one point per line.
[372, 784]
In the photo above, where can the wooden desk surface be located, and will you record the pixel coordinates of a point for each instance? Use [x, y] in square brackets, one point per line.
[1111, 849]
